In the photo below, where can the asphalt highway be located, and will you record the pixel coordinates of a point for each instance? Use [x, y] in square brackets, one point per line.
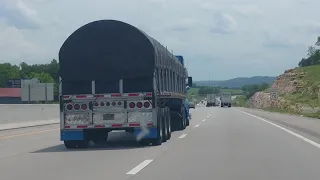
[220, 143]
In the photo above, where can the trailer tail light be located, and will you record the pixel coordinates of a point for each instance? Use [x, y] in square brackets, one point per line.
[96, 104]
[146, 104]
[84, 107]
[139, 104]
[108, 103]
[101, 103]
[119, 103]
[132, 105]
[76, 106]
[69, 107]
[114, 103]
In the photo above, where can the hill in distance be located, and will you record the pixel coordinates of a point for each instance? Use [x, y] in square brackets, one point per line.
[238, 82]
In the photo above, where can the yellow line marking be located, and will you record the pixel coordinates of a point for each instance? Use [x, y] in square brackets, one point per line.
[25, 134]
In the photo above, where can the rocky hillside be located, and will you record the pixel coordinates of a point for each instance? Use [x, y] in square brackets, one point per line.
[299, 92]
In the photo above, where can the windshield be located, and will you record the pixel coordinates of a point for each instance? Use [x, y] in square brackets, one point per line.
[159, 90]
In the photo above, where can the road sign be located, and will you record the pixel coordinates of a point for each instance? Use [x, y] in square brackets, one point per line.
[273, 93]
[13, 83]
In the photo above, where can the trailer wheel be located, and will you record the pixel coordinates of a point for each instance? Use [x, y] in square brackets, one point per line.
[83, 144]
[168, 119]
[70, 144]
[165, 125]
[184, 119]
[102, 139]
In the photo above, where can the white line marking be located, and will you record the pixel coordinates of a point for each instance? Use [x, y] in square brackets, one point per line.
[183, 136]
[204, 120]
[140, 167]
[286, 130]
[197, 125]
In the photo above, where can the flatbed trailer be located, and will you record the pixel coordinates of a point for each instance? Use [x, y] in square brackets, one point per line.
[113, 76]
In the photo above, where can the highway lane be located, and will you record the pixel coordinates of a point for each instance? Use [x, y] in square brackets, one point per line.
[37, 153]
[227, 144]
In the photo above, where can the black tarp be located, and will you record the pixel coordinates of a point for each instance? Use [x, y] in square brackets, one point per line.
[109, 50]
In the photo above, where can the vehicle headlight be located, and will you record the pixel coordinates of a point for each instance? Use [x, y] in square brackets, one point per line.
[77, 119]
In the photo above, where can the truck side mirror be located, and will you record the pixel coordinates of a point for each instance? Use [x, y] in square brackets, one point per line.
[190, 81]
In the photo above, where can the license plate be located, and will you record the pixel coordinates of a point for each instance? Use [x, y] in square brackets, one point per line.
[108, 117]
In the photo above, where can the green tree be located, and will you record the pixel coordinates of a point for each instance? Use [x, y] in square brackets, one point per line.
[204, 90]
[250, 90]
[8, 71]
[43, 77]
[313, 54]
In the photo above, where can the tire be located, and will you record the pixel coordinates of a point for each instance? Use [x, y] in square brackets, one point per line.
[102, 139]
[83, 144]
[144, 142]
[188, 122]
[184, 119]
[165, 125]
[70, 144]
[76, 144]
[168, 118]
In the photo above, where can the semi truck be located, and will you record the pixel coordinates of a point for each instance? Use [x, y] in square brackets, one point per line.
[225, 99]
[211, 100]
[113, 76]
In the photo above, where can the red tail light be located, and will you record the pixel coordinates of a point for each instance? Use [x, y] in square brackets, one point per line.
[146, 104]
[132, 105]
[84, 106]
[69, 107]
[76, 106]
[139, 104]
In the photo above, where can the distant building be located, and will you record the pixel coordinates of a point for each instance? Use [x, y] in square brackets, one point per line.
[10, 96]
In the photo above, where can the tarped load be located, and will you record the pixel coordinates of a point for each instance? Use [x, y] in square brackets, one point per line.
[110, 49]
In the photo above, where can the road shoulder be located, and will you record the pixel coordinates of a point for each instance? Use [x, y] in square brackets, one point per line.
[307, 127]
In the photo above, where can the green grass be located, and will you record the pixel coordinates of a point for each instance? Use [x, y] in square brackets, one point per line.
[193, 95]
[233, 91]
[239, 101]
[309, 93]
[314, 115]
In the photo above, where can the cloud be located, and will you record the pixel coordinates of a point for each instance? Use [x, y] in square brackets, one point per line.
[309, 26]
[243, 36]
[248, 10]
[224, 24]
[14, 46]
[18, 14]
[272, 40]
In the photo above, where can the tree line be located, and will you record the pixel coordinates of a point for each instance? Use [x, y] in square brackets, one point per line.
[46, 73]
[250, 90]
[313, 55]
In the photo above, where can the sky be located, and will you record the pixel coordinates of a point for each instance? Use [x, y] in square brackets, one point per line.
[219, 39]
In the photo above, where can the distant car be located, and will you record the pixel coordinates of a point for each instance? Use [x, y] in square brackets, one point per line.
[192, 105]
